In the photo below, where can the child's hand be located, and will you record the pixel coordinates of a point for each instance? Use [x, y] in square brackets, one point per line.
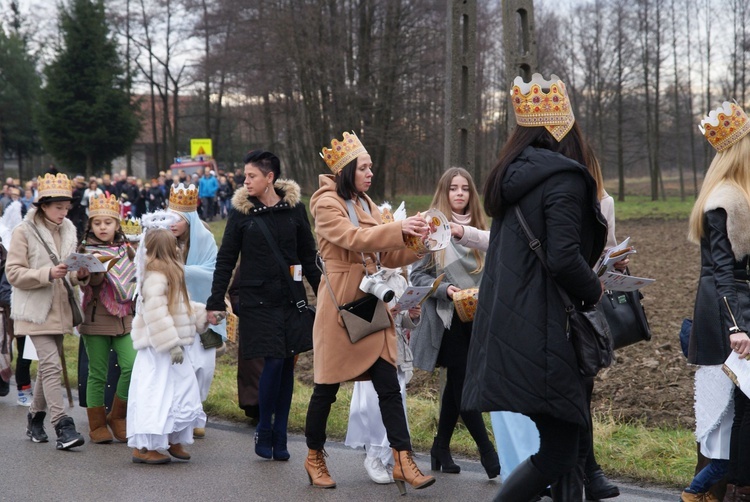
[58, 271]
[82, 273]
[176, 354]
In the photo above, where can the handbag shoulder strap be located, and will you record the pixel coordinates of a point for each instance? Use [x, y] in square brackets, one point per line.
[355, 221]
[53, 257]
[301, 303]
[536, 246]
[322, 266]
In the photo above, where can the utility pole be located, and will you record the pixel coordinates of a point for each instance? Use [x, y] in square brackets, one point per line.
[520, 43]
[461, 86]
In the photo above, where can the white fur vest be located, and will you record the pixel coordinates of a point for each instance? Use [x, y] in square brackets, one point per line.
[34, 305]
[733, 201]
[156, 327]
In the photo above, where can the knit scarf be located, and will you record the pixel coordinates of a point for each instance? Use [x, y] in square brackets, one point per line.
[459, 264]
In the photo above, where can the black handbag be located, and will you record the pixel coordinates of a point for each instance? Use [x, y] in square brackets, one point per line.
[626, 317]
[587, 328]
[306, 312]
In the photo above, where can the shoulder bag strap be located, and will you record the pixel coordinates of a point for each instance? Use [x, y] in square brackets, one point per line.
[536, 246]
[53, 257]
[301, 303]
[355, 222]
[322, 266]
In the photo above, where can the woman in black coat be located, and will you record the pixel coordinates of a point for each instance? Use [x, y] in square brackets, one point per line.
[520, 356]
[270, 325]
[721, 319]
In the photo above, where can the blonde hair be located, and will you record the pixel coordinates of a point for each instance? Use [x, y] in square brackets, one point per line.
[730, 166]
[595, 170]
[163, 256]
[441, 202]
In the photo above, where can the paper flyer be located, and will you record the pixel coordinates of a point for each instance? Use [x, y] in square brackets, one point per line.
[76, 261]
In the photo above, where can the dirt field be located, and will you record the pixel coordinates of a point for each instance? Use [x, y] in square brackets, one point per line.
[650, 381]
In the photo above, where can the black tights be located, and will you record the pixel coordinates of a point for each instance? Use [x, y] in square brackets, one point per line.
[561, 446]
[739, 446]
[385, 381]
[450, 411]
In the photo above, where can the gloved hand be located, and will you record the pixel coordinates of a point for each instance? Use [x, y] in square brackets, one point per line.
[176, 354]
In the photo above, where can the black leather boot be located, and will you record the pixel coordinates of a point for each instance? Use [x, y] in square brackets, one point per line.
[569, 488]
[598, 486]
[440, 454]
[524, 484]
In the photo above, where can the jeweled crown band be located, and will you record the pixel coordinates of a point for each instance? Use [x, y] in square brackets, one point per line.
[101, 205]
[54, 186]
[342, 152]
[543, 103]
[184, 199]
[725, 126]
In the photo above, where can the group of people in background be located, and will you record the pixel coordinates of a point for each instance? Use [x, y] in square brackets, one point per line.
[513, 359]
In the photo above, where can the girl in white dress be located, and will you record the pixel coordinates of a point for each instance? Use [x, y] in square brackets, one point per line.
[165, 403]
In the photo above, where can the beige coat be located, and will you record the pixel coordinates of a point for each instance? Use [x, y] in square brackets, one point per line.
[40, 306]
[336, 359]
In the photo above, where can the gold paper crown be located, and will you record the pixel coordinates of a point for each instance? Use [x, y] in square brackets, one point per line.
[725, 126]
[543, 103]
[131, 228]
[183, 199]
[102, 205]
[342, 152]
[54, 186]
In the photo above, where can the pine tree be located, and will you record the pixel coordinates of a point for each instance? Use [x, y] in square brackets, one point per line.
[87, 118]
[19, 88]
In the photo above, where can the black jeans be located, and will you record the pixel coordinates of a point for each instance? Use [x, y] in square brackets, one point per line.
[591, 464]
[739, 446]
[561, 446]
[385, 381]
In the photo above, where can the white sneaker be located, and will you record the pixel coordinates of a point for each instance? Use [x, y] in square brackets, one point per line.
[377, 471]
[25, 397]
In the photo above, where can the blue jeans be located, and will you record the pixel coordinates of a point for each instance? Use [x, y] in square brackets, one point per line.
[709, 476]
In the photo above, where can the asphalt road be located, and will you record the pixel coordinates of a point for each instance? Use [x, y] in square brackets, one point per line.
[223, 467]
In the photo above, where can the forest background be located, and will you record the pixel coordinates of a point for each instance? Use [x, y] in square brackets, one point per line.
[288, 75]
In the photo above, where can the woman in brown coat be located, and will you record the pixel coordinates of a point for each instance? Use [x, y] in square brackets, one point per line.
[343, 246]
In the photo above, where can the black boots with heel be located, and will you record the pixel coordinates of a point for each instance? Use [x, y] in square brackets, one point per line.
[440, 453]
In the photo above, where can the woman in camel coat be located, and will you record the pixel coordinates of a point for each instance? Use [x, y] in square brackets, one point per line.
[343, 245]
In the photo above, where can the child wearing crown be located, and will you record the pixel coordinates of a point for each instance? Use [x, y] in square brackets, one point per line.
[108, 315]
[165, 404]
[42, 286]
[198, 254]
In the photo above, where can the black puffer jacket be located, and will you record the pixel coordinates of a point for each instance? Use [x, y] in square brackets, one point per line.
[269, 323]
[725, 272]
[520, 358]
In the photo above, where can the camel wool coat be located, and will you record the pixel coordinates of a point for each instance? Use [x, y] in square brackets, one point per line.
[335, 358]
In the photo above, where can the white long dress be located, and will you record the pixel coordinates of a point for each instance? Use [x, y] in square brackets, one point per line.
[164, 402]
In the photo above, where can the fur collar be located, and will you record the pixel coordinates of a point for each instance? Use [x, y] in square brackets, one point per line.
[733, 201]
[288, 190]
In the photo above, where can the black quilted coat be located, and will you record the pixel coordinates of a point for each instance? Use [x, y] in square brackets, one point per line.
[269, 321]
[520, 358]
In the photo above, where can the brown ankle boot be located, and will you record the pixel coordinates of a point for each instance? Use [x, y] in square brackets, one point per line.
[178, 451]
[117, 419]
[144, 456]
[98, 425]
[406, 470]
[317, 470]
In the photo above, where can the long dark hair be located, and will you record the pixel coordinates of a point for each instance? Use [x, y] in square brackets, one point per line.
[573, 146]
[345, 187]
